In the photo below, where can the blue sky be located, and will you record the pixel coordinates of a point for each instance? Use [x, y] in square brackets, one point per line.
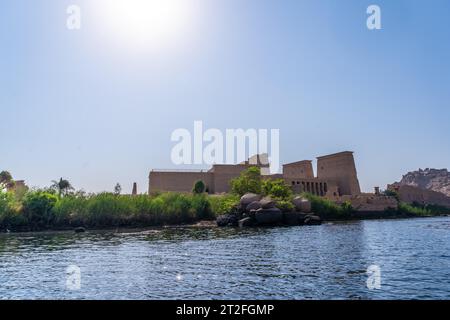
[84, 106]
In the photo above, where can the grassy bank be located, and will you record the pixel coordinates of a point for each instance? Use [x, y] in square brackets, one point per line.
[46, 210]
[327, 209]
[42, 210]
[417, 210]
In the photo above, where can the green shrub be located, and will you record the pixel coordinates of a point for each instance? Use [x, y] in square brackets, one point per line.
[70, 210]
[223, 204]
[199, 187]
[177, 208]
[347, 208]
[327, 209]
[202, 207]
[107, 209]
[437, 209]
[157, 206]
[248, 181]
[285, 205]
[149, 210]
[10, 215]
[413, 210]
[37, 208]
[6, 203]
[172, 208]
[276, 188]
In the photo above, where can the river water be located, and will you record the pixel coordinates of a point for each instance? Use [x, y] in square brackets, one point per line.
[317, 262]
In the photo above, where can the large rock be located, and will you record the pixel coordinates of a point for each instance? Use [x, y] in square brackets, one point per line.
[267, 203]
[79, 230]
[250, 214]
[302, 204]
[255, 205]
[248, 198]
[293, 218]
[246, 222]
[312, 220]
[437, 180]
[227, 220]
[268, 216]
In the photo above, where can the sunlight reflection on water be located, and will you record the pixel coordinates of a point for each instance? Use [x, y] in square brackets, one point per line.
[320, 262]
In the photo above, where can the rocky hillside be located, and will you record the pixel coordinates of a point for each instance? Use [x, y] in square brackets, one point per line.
[428, 179]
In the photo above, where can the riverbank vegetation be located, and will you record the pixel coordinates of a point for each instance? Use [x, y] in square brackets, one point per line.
[60, 207]
[415, 209]
[329, 210]
[45, 209]
[418, 210]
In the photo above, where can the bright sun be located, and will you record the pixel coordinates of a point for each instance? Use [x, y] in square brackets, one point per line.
[145, 23]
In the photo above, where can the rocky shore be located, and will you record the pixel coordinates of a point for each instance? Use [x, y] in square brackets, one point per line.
[254, 211]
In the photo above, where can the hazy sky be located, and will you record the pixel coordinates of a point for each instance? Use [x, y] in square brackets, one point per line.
[98, 105]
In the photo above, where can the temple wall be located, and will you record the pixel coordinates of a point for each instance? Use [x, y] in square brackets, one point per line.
[315, 186]
[336, 176]
[222, 175]
[369, 202]
[178, 181]
[301, 169]
[339, 168]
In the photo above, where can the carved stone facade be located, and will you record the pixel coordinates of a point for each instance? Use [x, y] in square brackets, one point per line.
[340, 169]
[336, 176]
[369, 202]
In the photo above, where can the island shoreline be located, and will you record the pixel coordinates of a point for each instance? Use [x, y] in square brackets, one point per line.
[204, 224]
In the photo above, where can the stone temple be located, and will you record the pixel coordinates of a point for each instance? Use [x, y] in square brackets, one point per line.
[336, 176]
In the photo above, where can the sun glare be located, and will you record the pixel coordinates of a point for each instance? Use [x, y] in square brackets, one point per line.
[144, 23]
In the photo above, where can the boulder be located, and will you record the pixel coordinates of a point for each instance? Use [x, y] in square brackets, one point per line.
[255, 205]
[302, 204]
[237, 210]
[246, 222]
[252, 213]
[302, 216]
[248, 198]
[227, 220]
[268, 216]
[79, 230]
[311, 220]
[267, 203]
[293, 218]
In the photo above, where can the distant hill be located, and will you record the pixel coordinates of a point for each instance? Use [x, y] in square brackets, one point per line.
[429, 179]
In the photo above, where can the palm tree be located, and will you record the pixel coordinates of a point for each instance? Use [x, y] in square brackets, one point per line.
[117, 189]
[62, 186]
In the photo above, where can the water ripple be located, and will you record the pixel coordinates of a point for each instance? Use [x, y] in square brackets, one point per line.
[322, 262]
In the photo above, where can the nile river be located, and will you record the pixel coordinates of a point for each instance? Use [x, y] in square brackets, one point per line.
[317, 262]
